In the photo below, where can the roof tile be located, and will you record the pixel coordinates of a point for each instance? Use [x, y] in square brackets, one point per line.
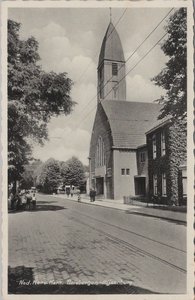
[130, 120]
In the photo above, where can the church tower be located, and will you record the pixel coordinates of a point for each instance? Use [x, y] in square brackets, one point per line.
[111, 67]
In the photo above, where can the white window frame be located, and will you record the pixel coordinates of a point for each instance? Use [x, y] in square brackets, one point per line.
[154, 146]
[143, 156]
[155, 185]
[163, 146]
[164, 184]
[184, 186]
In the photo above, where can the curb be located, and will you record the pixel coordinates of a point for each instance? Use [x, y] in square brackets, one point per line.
[134, 211]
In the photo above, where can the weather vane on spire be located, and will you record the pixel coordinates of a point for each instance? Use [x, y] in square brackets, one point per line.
[110, 14]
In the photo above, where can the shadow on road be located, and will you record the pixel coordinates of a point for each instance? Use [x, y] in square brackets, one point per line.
[177, 222]
[43, 202]
[39, 208]
[21, 281]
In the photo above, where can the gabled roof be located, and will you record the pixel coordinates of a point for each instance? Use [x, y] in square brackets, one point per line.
[159, 123]
[111, 48]
[129, 121]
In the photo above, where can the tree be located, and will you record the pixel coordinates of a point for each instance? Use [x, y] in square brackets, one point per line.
[173, 78]
[30, 173]
[72, 172]
[34, 96]
[49, 177]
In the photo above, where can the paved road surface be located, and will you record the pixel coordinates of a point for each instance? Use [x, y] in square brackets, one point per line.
[69, 242]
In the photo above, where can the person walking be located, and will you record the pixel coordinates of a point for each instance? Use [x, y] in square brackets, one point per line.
[23, 199]
[28, 200]
[71, 192]
[79, 196]
[34, 201]
[93, 195]
[68, 192]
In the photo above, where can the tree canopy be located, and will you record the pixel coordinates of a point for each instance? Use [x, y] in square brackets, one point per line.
[34, 96]
[52, 174]
[173, 78]
[30, 173]
[49, 177]
[73, 172]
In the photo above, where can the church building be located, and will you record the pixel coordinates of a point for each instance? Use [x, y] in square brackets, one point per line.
[118, 159]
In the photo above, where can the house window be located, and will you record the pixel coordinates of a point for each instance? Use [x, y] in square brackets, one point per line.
[154, 146]
[114, 69]
[155, 188]
[100, 155]
[122, 171]
[164, 185]
[184, 184]
[162, 143]
[127, 171]
[142, 156]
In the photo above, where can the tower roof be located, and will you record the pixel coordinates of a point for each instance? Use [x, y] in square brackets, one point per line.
[111, 46]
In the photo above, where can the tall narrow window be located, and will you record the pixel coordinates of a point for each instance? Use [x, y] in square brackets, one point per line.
[101, 82]
[142, 156]
[162, 143]
[164, 184]
[100, 153]
[154, 146]
[155, 186]
[114, 69]
[115, 89]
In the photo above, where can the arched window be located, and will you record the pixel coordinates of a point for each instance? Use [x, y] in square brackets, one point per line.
[100, 155]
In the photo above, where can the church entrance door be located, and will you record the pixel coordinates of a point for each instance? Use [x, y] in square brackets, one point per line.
[100, 186]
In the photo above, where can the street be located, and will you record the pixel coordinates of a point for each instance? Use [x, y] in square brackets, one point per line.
[64, 242]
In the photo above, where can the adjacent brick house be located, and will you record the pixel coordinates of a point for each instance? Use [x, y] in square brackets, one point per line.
[166, 143]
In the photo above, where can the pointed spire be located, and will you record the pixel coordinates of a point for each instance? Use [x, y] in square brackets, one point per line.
[110, 15]
[111, 48]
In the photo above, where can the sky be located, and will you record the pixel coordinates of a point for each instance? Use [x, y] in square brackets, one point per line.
[69, 41]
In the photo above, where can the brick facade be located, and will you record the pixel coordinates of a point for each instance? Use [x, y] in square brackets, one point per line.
[169, 163]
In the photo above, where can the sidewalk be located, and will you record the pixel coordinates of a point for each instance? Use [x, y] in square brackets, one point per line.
[141, 209]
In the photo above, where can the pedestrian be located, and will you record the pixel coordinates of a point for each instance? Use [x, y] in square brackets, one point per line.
[17, 200]
[93, 195]
[79, 196]
[28, 200]
[90, 195]
[68, 192]
[11, 200]
[71, 192]
[34, 201]
[23, 200]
